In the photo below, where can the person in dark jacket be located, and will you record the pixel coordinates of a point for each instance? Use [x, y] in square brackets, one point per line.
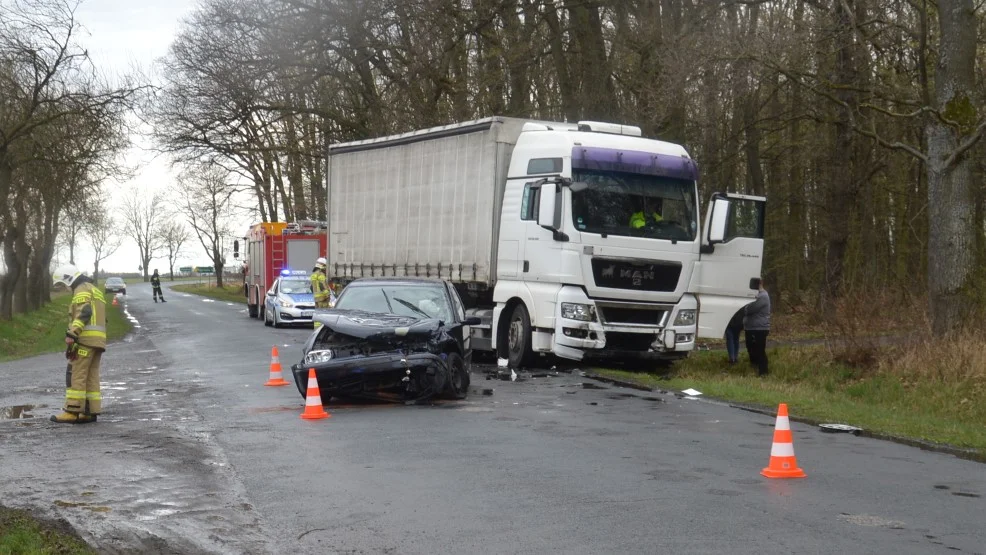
[756, 324]
[156, 284]
[733, 329]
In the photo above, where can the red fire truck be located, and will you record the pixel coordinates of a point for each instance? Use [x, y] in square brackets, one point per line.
[276, 246]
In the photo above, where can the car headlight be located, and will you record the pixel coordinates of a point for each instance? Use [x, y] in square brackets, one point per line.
[576, 311]
[685, 317]
[286, 303]
[317, 357]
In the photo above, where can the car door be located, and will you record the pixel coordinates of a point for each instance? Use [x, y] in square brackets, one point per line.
[463, 332]
[272, 295]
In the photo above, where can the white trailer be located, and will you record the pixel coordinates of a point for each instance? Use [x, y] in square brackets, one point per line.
[582, 240]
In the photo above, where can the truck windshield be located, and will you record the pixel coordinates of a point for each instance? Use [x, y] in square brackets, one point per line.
[635, 205]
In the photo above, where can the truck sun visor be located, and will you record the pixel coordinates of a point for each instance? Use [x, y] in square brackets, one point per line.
[632, 161]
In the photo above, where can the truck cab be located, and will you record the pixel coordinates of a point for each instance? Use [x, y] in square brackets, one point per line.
[602, 253]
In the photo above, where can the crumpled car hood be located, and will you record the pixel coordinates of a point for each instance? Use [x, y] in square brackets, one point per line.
[371, 325]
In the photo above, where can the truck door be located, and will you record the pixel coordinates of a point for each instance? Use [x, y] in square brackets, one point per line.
[731, 255]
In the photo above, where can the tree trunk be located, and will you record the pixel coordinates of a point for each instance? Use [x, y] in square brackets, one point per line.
[950, 181]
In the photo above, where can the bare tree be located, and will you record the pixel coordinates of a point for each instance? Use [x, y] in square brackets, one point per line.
[60, 124]
[101, 230]
[173, 239]
[143, 220]
[210, 209]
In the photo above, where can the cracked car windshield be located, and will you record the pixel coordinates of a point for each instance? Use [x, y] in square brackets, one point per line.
[418, 301]
[635, 206]
[296, 287]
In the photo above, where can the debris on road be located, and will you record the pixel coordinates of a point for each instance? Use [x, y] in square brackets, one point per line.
[844, 428]
[692, 393]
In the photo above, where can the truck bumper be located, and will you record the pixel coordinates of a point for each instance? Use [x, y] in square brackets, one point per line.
[596, 339]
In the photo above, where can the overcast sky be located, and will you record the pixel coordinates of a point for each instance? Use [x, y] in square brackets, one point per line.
[121, 35]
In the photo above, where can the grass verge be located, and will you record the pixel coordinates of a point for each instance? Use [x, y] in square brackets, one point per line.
[230, 293]
[931, 392]
[21, 534]
[43, 330]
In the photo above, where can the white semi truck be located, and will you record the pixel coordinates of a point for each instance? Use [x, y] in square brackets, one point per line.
[579, 239]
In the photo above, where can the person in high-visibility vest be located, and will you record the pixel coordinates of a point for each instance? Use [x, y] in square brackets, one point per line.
[320, 288]
[650, 211]
[85, 341]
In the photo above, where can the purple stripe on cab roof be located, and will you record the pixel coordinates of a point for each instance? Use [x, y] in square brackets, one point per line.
[634, 161]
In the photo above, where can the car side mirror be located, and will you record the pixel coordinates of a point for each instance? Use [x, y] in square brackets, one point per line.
[472, 321]
[270, 293]
[720, 217]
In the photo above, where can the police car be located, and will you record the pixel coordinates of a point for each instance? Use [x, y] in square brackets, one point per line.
[290, 301]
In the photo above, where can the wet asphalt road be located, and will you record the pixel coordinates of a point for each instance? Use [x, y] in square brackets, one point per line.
[194, 455]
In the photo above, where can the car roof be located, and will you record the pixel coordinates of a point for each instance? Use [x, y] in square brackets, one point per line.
[114, 279]
[398, 279]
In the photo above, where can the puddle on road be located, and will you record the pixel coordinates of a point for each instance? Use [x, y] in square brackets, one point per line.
[587, 385]
[19, 412]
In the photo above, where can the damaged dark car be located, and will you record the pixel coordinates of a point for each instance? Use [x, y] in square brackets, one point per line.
[395, 339]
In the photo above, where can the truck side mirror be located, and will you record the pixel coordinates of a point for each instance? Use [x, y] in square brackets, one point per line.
[236, 248]
[549, 208]
[719, 219]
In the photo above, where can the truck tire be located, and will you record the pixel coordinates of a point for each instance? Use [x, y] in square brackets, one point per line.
[252, 310]
[519, 352]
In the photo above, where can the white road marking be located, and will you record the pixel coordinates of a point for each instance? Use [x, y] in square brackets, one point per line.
[208, 301]
[197, 313]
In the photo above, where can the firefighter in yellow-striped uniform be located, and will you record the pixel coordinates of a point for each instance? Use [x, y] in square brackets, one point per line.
[320, 287]
[85, 341]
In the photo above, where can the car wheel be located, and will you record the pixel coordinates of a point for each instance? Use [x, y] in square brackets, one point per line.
[267, 322]
[458, 386]
[519, 353]
[273, 318]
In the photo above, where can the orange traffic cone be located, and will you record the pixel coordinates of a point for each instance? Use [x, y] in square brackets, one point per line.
[275, 369]
[313, 399]
[783, 463]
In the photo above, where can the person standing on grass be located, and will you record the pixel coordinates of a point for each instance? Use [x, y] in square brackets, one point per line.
[733, 329]
[756, 324]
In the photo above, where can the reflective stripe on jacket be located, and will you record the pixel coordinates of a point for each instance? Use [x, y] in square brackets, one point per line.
[87, 316]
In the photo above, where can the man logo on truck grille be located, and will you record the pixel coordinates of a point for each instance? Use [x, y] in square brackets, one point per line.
[637, 276]
[608, 272]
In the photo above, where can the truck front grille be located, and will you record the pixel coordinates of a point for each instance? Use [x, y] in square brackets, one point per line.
[622, 274]
[632, 316]
[629, 341]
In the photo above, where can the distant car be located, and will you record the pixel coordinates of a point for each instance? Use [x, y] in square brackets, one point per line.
[290, 301]
[400, 339]
[115, 285]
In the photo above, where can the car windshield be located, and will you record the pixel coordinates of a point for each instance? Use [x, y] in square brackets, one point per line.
[616, 203]
[296, 287]
[114, 281]
[419, 301]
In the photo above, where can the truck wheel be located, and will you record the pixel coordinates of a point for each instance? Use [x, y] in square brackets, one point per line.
[519, 353]
[252, 310]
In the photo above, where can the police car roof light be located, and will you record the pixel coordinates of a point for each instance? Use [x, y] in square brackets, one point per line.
[287, 272]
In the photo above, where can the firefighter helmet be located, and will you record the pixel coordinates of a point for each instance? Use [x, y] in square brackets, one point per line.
[320, 263]
[66, 274]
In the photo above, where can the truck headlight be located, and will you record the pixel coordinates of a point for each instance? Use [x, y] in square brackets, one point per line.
[575, 311]
[318, 357]
[685, 317]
